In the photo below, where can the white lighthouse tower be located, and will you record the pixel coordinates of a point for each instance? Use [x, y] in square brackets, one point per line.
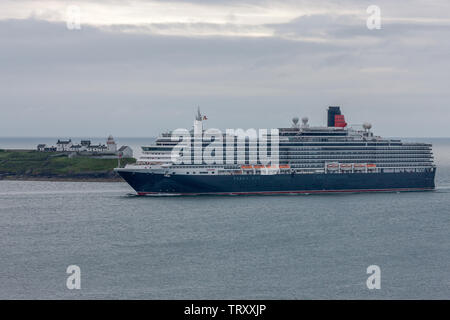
[111, 144]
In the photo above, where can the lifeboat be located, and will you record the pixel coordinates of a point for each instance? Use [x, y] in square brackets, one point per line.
[332, 166]
[359, 166]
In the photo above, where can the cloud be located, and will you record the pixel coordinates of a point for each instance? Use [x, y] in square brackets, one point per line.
[118, 79]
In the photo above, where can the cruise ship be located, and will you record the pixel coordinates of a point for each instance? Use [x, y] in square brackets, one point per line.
[336, 158]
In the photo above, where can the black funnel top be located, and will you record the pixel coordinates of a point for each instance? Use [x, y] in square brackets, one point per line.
[332, 111]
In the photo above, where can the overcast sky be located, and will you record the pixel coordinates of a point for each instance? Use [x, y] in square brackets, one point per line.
[136, 68]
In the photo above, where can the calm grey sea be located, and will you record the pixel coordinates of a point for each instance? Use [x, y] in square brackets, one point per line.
[241, 247]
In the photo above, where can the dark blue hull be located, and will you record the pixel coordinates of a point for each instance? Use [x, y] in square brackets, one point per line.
[150, 183]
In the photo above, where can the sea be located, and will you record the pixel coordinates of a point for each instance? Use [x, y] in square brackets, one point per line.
[221, 247]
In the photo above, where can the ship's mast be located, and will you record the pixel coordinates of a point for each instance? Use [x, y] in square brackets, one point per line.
[198, 117]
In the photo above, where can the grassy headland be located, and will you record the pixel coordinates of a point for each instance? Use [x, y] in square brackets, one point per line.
[56, 166]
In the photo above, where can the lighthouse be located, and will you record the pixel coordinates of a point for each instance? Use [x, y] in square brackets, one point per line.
[111, 144]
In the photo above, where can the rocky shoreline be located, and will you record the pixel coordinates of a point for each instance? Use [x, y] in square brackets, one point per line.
[68, 178]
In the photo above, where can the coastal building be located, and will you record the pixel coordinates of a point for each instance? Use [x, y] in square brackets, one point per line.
[41, 147]
[126, 152]
[85, 143]
[111, 144]
[76, 148]
[86, 148]
[63, 145]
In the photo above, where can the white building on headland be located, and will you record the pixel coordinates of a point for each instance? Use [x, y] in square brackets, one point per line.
[63, 145]
[85, 147]
[125, 152]
[111, 144]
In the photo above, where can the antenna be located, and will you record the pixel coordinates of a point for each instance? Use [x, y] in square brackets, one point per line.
[198, 117]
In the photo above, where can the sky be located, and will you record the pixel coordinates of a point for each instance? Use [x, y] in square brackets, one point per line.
[137, 68]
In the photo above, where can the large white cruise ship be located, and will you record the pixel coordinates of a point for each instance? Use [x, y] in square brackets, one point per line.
[297, 159]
